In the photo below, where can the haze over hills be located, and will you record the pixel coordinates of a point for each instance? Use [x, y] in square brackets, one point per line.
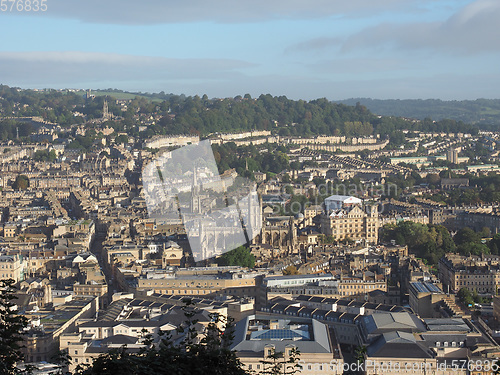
[479, 111]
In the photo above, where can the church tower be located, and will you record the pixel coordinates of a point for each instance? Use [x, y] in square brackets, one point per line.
[195, 195]
[105, 111]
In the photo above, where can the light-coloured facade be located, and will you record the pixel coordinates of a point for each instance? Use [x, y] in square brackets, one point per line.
[11, 267]
[319, 351]
[457, 272]
[352, 223]
[41, 342]
[196, 285]
[424, 299]
[361, 286]
[170, 141]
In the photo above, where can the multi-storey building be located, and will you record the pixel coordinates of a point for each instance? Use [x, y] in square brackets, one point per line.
[90, 289]
[496, 308]
[41, 339]
[197, 284]
[10, 230]
[428, 300]
[457, 272]
[360, 286]
[11, 267]
[170, 141]
[356, 287]
[346, 218]
[258, 337]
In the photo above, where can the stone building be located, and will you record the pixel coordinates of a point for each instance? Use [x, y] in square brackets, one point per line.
[348, 219]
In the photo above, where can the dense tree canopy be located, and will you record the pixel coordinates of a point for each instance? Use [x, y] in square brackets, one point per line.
[11, 326]
[229, 156]
[431, 242]
[21, 182]
[241, 256]
[51, 105]
[481, 190]
[483, 111]
[178, 114]
[45, 155]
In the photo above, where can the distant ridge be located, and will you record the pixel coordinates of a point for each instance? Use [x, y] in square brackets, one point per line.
[479, 111]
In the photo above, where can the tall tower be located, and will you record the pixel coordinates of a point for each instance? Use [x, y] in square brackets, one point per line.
[195, 195]
[452, 155]
[105, 113]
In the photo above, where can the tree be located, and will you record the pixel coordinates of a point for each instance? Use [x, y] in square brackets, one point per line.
[433, 179]
[466, 235]
[22, 182]
[11, 326]
[208, 355]
[473, 248]
[45, 155]
[62, 359]
[465, 296]
[122, 138]
[277, 363]
[241, 256]
[290, 270]
[429, 242]
[360, 353]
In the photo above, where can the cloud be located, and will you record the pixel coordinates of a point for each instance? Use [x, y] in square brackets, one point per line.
[474, 28]
[66, 68]
[471, 30]
[225, 11]
[365, 66]
[315, 44]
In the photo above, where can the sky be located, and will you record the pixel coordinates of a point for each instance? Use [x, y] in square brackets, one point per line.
[303, 49]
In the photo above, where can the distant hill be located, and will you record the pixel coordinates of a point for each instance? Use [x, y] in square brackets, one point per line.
[120, 94]
[480, 111]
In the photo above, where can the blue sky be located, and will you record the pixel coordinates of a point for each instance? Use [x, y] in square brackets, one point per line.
[337, 49]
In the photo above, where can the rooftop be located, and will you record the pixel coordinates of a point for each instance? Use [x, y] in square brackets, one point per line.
[254, 333]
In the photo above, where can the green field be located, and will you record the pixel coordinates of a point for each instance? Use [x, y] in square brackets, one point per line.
[119, 95]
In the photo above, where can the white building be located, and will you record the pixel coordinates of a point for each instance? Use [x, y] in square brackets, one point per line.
[336, 202]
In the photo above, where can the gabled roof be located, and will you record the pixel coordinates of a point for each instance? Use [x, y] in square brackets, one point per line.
[397, 344]
[402, 321]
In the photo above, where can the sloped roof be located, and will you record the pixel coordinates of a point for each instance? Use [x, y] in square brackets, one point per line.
[398, 344]
[318, 343]
[403, 321]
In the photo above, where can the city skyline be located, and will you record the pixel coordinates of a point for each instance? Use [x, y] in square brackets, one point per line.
[392, 49]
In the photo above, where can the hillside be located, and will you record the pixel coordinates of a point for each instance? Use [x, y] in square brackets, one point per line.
[484, 112]
[178, 114]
